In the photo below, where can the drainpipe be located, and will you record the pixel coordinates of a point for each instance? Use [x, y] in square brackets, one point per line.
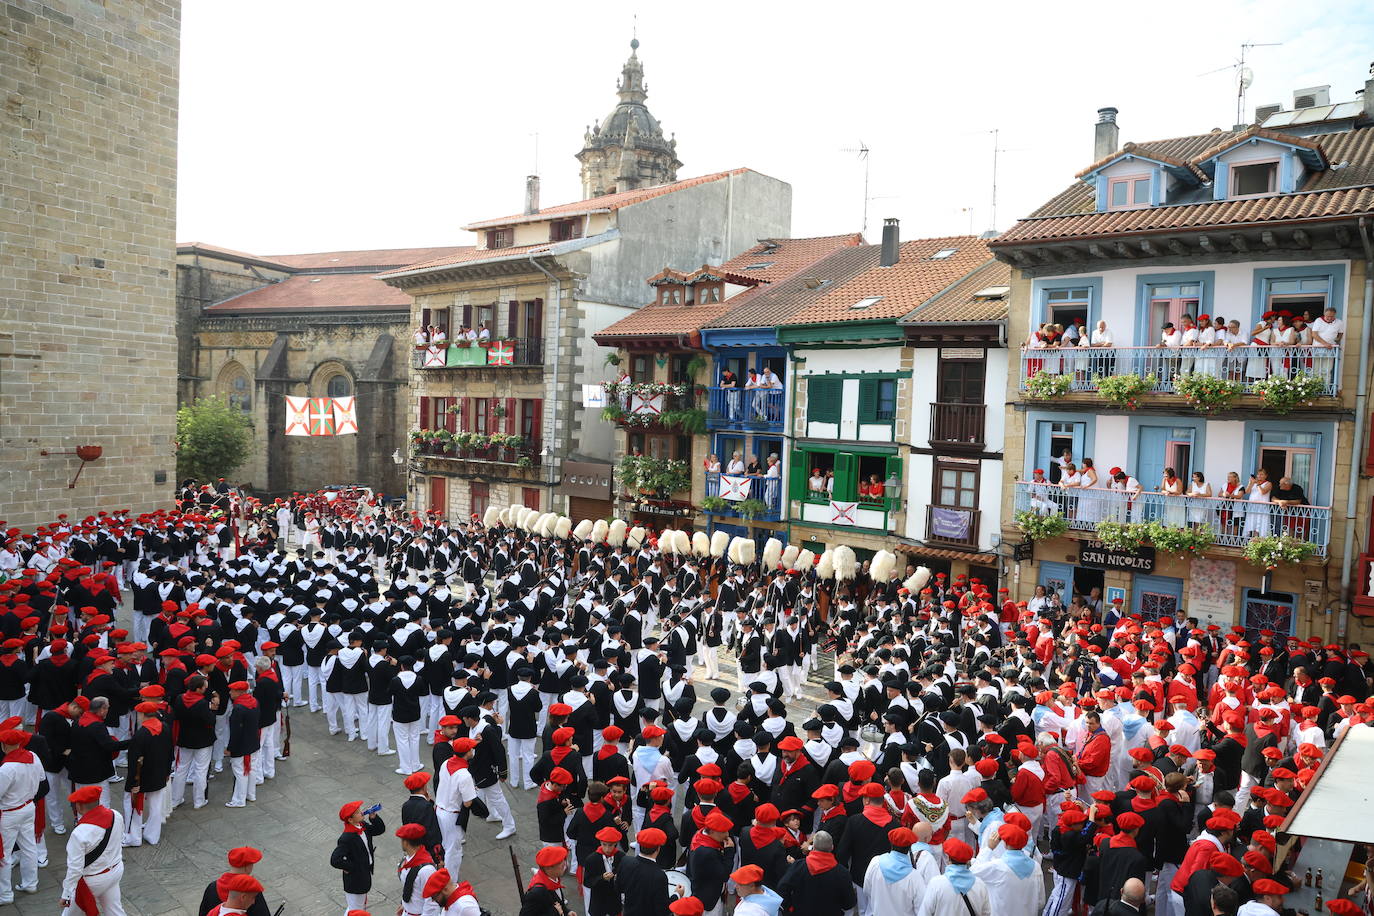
[557, 335]
[1352, 501]
[789, 441]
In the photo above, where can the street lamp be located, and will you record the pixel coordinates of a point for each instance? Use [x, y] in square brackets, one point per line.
[893, 487]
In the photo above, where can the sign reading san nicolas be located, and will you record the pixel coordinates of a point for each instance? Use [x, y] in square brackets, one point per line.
[1097, 555]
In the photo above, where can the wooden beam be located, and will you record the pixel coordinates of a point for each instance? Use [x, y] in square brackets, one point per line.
[1301, 238]
[1148, 248]
[1343, 236]
[1269, 239]
[1238, 242]
[1098, 251]
[1124, 250]
[1021, 257]
[1205, 243]
[1046, 256]
[1177, 247]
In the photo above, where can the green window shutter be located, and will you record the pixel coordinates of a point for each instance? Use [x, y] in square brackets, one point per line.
[846, 486]
[823, 399]
[796, 473]
[894, 466]
[868, 400]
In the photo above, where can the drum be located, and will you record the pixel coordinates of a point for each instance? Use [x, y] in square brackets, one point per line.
[871, 733]
[679, 885]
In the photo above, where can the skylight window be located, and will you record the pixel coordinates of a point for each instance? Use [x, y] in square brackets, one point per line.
[992, 292]
[760, 265]
[865, 302]
[943, 253]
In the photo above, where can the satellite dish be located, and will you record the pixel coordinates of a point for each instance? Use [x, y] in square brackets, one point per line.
[1247, 76]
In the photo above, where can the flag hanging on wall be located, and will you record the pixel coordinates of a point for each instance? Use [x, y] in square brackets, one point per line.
[321, 416]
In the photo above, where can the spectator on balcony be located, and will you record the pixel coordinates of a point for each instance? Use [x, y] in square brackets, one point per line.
[1082, 358]
[1089, 503]
[483, 333]
[1041, 503]
[1171, 339]
[1207, 340]
[730, 383]
[1327, 332]
[1232, 512]
[1288, 494]
[769, 381]
[421, 337]
[1232, 338]
[1071, 481]
[1188, 334]
[753, 468]
[830, 484]
[1172, 486]
[1129, 490]
[1060, 464]
[1198, 490]
[736, 465]
[772, 478]
[1258, 496]
[437, 337]
[1285, 335]
[815, 485]
[712, 464]
[1038, 340]
[1054, 340]
[872, 490]
[1257, 367]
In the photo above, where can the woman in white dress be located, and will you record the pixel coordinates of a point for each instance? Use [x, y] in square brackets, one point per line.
[1054, 337]
[1257, 512]
[1233, 509]
[1080, 359]
[1198, 490]
[1257, 366]
[1172, 486]
[1090, 500]
[1070, 480]
[1283, 336]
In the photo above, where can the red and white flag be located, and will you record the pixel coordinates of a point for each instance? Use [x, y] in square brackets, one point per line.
[734, 488]
[321, 417]
[843, 513]
[297, 416]
[345, 416]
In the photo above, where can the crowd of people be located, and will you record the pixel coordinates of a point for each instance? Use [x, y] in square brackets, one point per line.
[971, 755]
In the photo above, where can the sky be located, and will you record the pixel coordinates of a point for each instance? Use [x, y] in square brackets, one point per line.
[319, 125]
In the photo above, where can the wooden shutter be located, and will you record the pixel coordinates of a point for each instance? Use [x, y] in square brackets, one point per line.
[467, 415]
[425, 413]
[846, 467]
[425, 318]
[512, 416]
[894, 470]
[467, 316]
[450, 418]
[534, 318]
[797, 474]
[513, 319]
[537, 421]
[823, 399]
[868, 400]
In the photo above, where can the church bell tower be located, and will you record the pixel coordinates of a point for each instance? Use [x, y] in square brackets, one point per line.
[627, 149]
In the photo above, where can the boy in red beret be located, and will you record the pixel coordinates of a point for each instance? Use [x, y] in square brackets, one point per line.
[353, 854]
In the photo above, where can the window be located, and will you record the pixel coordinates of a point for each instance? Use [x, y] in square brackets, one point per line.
[865, 302]
[529, 496]
[339, 387]
[641, 368]
[531, 410]
[943, 253]
[877, 400]
[500, 238]
[960, 381]
[484, 315]
[823, 399]
[1299, 295]
[1292, 455]
[481, 413]
[561, 230]
[1169, 304]
[479, 496]
[1254, 178]
[1268, 611]
[956, 485]
[677, 368]
[1129, 191]
[240, 397]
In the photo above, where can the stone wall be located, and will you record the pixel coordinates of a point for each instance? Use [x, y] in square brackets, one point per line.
[87, 299]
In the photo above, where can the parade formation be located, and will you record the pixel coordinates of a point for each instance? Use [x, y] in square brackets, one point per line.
[972, 757]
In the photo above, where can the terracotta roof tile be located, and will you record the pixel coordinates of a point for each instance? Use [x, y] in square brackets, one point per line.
[469, 255]
[785, 257]
[961, 302]
[769, 305]
[380, 258]
[189, 247]
[1325, 194]
[605, 202]
[308, 293]
[915, 278]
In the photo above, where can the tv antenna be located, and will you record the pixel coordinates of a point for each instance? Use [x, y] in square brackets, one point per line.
[1244, 75]
[997, 148]
[862, 152]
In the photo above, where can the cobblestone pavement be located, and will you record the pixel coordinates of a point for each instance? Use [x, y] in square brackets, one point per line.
[295, 823]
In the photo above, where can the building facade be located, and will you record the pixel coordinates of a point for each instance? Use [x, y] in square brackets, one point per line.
[87, 302]
[495, 416]
[1264, 227]
[254, 330]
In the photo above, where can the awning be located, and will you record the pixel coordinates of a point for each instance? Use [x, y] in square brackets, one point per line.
[1339, 802]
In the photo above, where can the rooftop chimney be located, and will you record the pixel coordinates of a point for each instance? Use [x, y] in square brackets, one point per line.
[1368, 95]
[531, 194]
[891, 243]
[1106, 136]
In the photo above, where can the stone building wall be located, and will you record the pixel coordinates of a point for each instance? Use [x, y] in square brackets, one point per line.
[87, 298]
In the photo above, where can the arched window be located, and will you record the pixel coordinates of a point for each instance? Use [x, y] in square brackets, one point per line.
[339, 387]
[236, 389]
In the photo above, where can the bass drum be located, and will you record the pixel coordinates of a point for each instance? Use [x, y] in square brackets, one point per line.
[871, 733]
[679, 885]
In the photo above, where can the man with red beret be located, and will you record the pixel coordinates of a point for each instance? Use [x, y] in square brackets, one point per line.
[90, 760]
[641, 881]
[150, 770]
[797, 778]
[453, 799]
[1269, 895]
[194, 710]
[866, 834]
[242, 893]
[244, 744]
[95, 857]
[597, 871]
[417, 865]
[892, 885]
[710, 855]
[241, 862]
[353, 853]
[1120, 858]
[21, 774]
[544, 895]
[819, 885]
[1095, 759]
[958, 891]
[1015, 884]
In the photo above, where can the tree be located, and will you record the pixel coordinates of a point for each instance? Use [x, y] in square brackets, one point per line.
[212, 439]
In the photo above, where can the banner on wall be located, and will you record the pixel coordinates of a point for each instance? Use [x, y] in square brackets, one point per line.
[734, 488]
[321, 416]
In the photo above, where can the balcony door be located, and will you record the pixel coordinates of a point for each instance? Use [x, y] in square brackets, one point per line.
[1158, 447]
[1051, 440]
[960, 381]
[1290, 461]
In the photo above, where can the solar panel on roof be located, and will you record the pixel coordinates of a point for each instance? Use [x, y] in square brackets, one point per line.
[1339, 112]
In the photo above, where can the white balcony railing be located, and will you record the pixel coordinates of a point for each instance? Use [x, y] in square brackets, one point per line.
[1245, 364]
[1233, 522]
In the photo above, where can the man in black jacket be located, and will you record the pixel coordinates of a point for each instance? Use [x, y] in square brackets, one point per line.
[489, 767]
[195, 718]
[353, 854]
[642, 883]
[544, 895]
[865, 833]
[267, 690]
[150, 769]
[712, 853]
[1120, 860]
[244, 744]
[91, 759]
[817, 885]
[418, 808]
[241, 862]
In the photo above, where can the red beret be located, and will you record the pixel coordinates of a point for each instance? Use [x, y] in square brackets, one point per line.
[85, 795]
[957, 851]
[687, 906]
[349, 810]
[411, 832]
[1130, 821]
[648, 838]
[243, 884]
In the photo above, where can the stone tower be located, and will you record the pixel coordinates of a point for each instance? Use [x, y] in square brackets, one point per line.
[627, 149]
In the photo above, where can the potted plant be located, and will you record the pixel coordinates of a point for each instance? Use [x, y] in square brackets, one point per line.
[714, 503]
[524, 462]
[751, 508]
[1271, 550]
[1120, 535]
[1044, 386]
[1125, 390]
[1181, 541]
[1207, 393]
[499, 408]
[1281, 394]
[612, 359]
[1037, 527]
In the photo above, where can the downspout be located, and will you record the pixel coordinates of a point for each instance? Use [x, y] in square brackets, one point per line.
[790, 439]
[1352, 501]
[557, 336]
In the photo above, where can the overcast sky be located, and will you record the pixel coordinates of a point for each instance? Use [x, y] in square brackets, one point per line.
[315, 125]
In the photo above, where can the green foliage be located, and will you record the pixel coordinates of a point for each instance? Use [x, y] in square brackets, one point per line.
[1208, 393]
[751, 508]
[714, 503]
[1044, 386]
[1182, 541]
[212, 439]
[1121, 535]
[659, 476]
[1124, 390]
[1281, 394]
[1037, 527]
[612, 358]
[691, 421]
[1269, 551]
[612, 413]
[695, 365]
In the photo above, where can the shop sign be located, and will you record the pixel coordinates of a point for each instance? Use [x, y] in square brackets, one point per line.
[1097, 555]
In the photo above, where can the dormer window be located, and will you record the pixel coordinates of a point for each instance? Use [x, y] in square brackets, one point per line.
[1254, 179]
[500, 238]
[1128, 191]
[670, 294]
[561, 230]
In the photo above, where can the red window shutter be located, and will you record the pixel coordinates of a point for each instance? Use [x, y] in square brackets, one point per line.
[450, 418]
[424, 413]
[424, 318]
[534, 318]
[512, 416]
[467, 415]
[537, 412]
[513, 322]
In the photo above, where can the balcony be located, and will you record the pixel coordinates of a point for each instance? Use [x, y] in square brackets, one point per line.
[640, 405]
[958, 425]
[732, 490]
[955, 527]
[737, 408]
[1233, 522]
[1244, 364]
[515, 352]
[507, 450]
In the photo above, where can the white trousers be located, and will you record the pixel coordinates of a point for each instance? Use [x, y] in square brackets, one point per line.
[105, 888]
[147, 826]
[521, 751]
[192, 763]
[59, 810]
[375, 721]
[16, 827]
[354, 902]
[314, 687]
[408, 745]
[270, 739]
[293, 677]
[453, 837]
[496, 803]
[142, 624]
[246, 770]
[1061, 896]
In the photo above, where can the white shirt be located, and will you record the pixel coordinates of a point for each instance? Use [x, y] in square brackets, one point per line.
[454, 789]
[1172, 339]
[1010, 895]
[1327, 331]
[1189, 336]
[886, 898]
[1102, 337]
[19, 782]
[943, 900]
[83, 839]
